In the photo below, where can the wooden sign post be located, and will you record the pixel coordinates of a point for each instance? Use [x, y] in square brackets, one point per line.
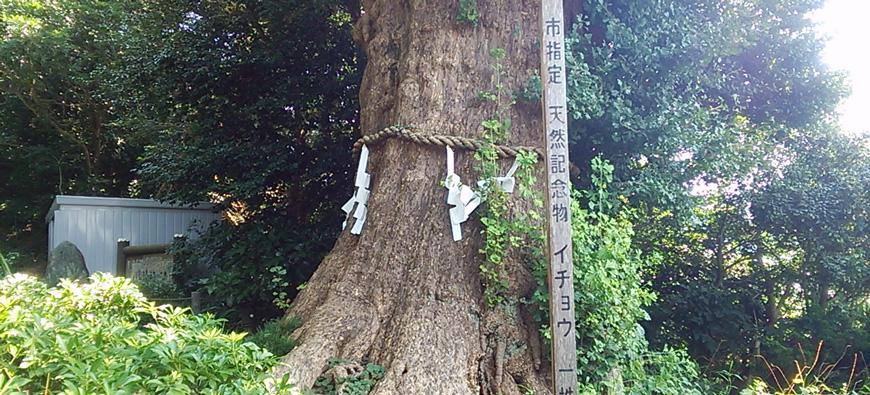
[555, 108]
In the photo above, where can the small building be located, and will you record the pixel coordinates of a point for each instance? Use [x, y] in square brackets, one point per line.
[95, 224]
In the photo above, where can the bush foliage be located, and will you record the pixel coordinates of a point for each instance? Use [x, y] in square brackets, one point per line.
[275, 335]
[104, 337]
[610, 298]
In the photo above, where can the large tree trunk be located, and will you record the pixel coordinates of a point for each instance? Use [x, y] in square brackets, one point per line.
[404, 294]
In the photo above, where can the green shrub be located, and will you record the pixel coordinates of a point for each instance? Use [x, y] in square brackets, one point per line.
[275, 336]
[248, 273]
[155, 286]
[666, 372]
[609, 301]
[104, 337]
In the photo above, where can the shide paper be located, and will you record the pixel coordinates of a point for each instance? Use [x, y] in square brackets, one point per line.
[462, 197]
[360, 197]
[506, 183]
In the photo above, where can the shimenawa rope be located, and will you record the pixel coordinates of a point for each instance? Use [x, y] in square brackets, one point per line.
[412, 135]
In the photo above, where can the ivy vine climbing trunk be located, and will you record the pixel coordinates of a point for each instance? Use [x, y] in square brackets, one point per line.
[403, 294]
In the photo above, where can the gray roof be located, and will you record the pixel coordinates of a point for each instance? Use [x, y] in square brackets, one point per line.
[62, 200]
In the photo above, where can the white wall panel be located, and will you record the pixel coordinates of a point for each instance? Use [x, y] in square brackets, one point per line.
[94, 225]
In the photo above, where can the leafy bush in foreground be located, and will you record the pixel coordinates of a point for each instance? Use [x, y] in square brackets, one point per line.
[104, 337]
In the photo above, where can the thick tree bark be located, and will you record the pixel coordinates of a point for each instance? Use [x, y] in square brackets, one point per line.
[404, 294]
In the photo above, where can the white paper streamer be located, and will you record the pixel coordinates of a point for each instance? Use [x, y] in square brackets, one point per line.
[360, 196]
[506, 183]
[462, 197]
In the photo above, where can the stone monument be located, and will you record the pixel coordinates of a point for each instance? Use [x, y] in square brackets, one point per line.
[65, 261]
